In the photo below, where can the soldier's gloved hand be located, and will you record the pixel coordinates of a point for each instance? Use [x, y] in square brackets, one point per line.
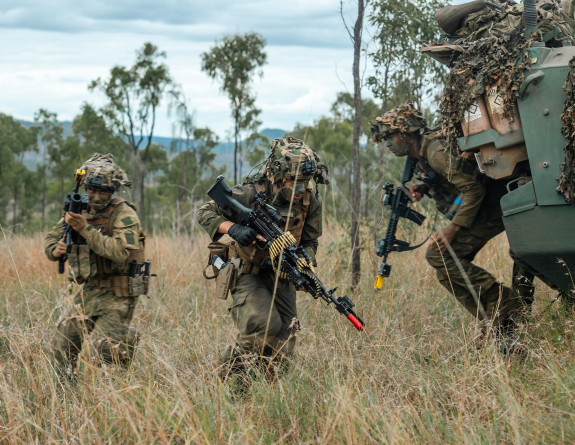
[242, 234]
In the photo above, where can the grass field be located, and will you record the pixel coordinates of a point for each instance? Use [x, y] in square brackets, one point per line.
[412, 376]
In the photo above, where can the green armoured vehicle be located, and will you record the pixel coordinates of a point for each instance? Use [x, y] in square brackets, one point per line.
[524, 144]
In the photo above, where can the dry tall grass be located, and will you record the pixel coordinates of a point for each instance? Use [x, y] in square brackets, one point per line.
[411, 377]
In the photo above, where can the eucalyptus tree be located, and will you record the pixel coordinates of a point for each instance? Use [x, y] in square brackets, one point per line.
[355, 35]
[402, 72]
[234, 61]
[51, 134]
[134, 95]
[16, 182]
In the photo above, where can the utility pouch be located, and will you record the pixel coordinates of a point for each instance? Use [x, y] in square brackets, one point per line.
[79, 262]
[138, 285]
[121, 285]
[139, 278]
[220, 249]
[226, 279]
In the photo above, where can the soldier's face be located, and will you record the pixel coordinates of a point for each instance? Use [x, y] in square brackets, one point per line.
[398, 143]
[98, 198]
[286, 192]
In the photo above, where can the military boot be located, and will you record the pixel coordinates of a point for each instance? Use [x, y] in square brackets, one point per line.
[510, 338]
[237, 368]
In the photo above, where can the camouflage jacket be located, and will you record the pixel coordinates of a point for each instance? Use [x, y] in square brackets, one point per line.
[304, 221]
[104, 254]
[455, 175]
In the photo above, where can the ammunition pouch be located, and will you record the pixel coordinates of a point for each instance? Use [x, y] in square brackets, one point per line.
[138, 285]
[82, 265]
[127, 286]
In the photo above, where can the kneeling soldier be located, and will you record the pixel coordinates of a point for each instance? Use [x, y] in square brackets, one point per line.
[106, 258]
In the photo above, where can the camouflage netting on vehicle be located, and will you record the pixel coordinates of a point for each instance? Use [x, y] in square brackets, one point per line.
[567, 179]
[491, 22]
[501, 60]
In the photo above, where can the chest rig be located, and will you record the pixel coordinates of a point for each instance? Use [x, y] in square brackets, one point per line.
[110, 274]
[293, 221]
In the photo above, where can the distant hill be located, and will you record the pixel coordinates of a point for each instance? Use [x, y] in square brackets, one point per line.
[224, 150]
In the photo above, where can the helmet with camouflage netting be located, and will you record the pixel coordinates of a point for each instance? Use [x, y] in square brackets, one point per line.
[291, 158]
[103, 173]
[404, 118]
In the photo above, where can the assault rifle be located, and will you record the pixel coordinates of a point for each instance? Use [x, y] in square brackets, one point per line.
[399, 203]
[292, 261]
[74, 202]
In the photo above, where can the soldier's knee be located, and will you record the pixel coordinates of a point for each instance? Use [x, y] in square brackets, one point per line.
[132, 341]
[435, 258]
[264, 323]
[115, 352]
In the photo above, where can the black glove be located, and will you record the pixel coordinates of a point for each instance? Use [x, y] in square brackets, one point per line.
[242, 234]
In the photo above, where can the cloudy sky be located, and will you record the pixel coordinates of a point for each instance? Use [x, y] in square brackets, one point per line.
[52, 49]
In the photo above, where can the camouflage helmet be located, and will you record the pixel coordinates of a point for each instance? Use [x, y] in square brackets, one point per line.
[102, 172]
[402, 119]
[292, 158]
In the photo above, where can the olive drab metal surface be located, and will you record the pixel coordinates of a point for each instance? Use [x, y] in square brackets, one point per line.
[538, 220]
[510, 118]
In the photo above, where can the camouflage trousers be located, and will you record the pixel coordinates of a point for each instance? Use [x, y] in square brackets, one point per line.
[267, 323]
[499, 302]
[98, 316]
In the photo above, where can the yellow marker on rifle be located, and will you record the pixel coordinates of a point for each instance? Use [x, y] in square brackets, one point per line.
[80, 175]
[378, 282]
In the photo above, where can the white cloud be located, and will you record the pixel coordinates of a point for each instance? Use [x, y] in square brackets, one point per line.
[57, 47]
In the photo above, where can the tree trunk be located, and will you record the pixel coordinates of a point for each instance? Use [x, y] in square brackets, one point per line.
[43, 213]
[141, 192]
[356, 194]
[15, 209]
[236, 146]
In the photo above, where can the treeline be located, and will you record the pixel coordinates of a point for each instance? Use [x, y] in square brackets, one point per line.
[169, 183]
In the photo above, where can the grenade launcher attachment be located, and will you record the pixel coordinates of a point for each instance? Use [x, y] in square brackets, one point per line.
[74, 202]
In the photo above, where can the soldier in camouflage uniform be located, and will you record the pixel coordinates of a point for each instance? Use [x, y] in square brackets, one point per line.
[263, 308]
[477, 220]
[106, 261]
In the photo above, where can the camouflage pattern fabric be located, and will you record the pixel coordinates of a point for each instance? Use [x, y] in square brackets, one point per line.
[95, 310]
[210, 216]
[567, 178]
[490, 22]
[96, 315]
[103, 172]
[403, 119]
[495, 60]
[291, 157]
[253, 295]
[266, 320]
[480, 218]
[456, 176]
[483, 223]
